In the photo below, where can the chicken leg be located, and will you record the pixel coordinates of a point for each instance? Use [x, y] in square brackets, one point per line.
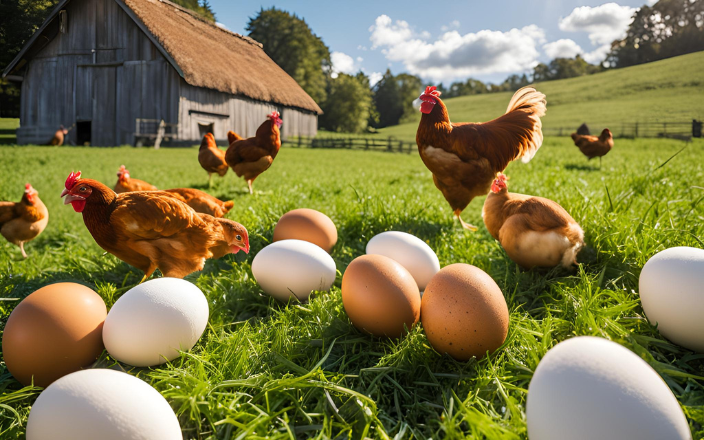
[210, 180]
[21, 245]
[249, 183]
[463, 223]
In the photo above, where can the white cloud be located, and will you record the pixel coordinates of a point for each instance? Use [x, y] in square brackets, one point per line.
[651, 2]
[453, 55]
[454, 25]
[374, 78]
[604, 23]
[343, 63]
[564, 48]
[597, 55]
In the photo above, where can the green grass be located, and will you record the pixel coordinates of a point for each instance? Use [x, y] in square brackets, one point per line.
[268, 370]
[670, 90]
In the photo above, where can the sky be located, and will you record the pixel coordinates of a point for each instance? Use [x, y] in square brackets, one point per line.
[449, 40]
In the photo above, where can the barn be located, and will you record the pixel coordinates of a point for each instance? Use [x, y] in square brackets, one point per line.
[126, 71]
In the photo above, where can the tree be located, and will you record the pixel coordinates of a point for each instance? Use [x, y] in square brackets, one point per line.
[410, 87]
[203, 9]
[559, 68]
[292, 45]
[666, 29]
[346, 108]
[387, 99]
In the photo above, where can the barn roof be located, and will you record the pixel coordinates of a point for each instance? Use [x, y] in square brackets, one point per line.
[206, 55]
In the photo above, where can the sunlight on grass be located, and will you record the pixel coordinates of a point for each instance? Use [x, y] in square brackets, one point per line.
[264, 369]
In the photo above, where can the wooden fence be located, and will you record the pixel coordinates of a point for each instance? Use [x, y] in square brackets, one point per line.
[391, 145]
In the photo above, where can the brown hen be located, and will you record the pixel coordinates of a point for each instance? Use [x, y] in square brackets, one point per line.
[593, 146]
[23, 221]
[126, 184]
[211, 158]
[202, 202]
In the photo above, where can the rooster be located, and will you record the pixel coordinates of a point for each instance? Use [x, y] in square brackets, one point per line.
[250, 157]
[202, 202]
[465, 157]
[211, 158]
[592, 146]
[534, 231]
[152, 229]
[23, 221]
[126, 184]
[58, 139]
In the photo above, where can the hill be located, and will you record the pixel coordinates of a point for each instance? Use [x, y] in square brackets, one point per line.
[667, 90]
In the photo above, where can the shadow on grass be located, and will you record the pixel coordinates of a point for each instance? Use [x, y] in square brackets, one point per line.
[581, 167]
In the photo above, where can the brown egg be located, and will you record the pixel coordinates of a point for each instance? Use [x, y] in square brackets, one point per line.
[463, 312]
[380, 296]
[307, 225]
[55, 331]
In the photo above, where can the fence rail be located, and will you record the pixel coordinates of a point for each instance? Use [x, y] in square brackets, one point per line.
[671, 129]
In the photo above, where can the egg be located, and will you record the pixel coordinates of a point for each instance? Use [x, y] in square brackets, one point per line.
[101, 404]
[307, 225]
[53, 332]
[293, 269]
[589, 388]
[409, 251]
[463, 312]
[152, 321]
[673, 297]
[380, 296]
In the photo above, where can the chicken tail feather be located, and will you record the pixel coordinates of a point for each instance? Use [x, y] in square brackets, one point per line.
[533, 104]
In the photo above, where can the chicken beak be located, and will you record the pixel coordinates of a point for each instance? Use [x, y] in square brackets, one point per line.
[64, 192]
[71, 198]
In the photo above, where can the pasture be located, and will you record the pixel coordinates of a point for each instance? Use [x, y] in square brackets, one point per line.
[269, 370]
[645, 93]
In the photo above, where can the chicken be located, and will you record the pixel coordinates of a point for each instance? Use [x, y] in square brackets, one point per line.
[465, 157]
[250, 157]
[152, 229]
[201, 201]
[126, 184]
[592, 146]
[232, 137]
[23, 221]
[534, 231]
[58, 138]
[211, 158]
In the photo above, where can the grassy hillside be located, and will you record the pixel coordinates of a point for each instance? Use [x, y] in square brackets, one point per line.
[268, 370]
[667, 90]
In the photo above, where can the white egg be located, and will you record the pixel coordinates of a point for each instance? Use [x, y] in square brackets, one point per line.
[409, 251]
[101, 404]
[152, 321]
[588, 388]
[293, 268]
[672, 293]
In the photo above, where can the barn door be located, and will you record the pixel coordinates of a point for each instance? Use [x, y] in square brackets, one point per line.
[104, 106]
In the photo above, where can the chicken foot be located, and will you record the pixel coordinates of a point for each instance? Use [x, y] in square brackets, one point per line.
[463, 223]
[249, 183]
[21, 245]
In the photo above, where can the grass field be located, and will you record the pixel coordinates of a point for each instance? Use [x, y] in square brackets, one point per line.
[672, 87]
[268, 370]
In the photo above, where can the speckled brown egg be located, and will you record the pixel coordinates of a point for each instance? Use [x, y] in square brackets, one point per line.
[53, 332]
[307, 225]
[464, 313]
[380, 296]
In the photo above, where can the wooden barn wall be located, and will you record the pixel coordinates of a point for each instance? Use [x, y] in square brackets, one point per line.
[228, 112]
[116, 72]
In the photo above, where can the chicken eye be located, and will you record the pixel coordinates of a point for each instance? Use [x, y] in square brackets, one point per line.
[238, 237]
[82, 189]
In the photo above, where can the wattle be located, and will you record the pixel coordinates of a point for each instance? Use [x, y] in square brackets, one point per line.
[78, 205]
[426, 107]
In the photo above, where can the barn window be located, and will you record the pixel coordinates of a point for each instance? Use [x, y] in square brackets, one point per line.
[206, 128]
[63, 21]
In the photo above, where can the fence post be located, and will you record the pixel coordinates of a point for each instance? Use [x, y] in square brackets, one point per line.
[366, 143]
[636, 130]
[696, 128]
[388, 147]
[664, 128]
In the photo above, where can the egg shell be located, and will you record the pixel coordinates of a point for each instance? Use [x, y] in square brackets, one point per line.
[307, 225]
[409, 251]
[293, 269]
[152, 321]
[464, 312]
[672, 293]
[101, 404]
[53, 332]
[588, 388]
[380, 296]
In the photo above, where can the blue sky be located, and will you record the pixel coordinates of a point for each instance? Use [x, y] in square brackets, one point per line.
[450, 40]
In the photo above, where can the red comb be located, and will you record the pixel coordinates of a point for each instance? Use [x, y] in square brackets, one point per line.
[433, 91]
[502, 177]
[274, 115]
[72, 179]
[27, 186]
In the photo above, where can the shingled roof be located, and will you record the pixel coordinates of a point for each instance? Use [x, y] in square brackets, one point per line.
[209, 56]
